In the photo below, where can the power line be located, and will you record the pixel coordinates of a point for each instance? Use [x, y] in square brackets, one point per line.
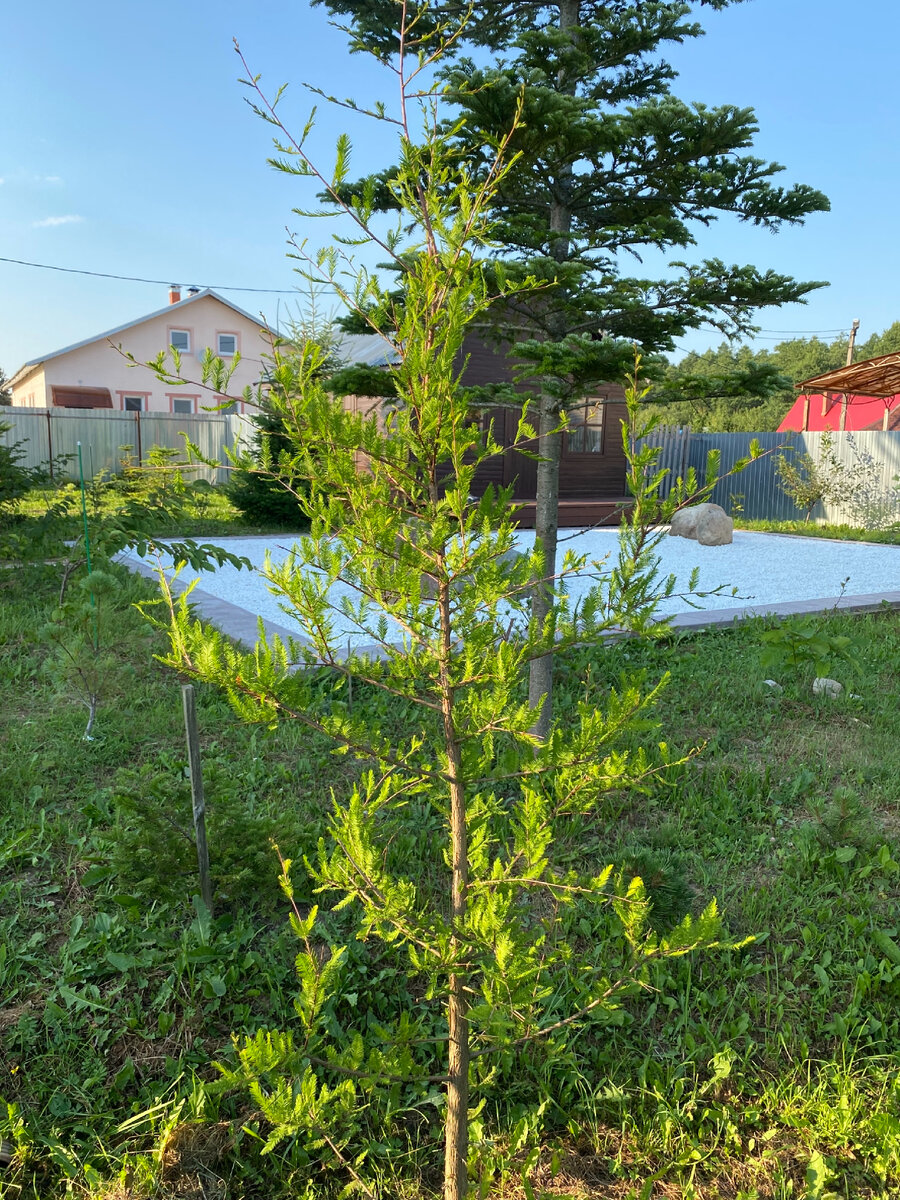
[215, 287]
[769, 337]
[220, 287]
[842, 329]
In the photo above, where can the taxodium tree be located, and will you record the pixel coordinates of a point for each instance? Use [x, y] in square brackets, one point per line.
[610, 165]
[434, 618]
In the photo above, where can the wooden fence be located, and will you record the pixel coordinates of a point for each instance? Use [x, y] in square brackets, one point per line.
[49, 437]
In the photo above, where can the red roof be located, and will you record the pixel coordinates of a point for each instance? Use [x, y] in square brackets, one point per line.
[863, 412]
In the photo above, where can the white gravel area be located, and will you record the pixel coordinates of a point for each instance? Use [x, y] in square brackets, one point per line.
[764, 568]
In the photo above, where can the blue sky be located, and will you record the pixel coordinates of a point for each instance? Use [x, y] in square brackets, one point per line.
[127, 148]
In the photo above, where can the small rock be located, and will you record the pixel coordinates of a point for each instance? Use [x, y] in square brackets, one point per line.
[773, 685]
[708, 524]
[715, 528]
[826, 687]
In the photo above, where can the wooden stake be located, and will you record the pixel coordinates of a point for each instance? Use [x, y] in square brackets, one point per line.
[193, 747]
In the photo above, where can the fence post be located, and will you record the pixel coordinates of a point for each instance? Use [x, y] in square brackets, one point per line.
[137, 418]
[50, 443]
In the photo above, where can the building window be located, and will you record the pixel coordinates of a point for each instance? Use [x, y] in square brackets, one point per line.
[226, 345]
[180, 340]
[133, 403]
[585, 427]
[183, 405]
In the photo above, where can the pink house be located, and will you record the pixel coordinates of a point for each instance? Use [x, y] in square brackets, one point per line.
[93, 374]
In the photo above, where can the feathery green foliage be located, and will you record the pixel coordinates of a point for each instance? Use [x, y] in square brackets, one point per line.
[438, 598]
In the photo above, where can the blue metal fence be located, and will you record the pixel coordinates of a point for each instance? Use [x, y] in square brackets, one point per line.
[756, 493]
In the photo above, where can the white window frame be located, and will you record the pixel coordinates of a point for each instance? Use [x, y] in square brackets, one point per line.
[226, 353]
[181, 349]
[140, 400]
[190, 412]
[589, 414]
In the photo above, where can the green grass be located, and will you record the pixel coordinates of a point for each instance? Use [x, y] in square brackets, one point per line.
[844, 533]
[207, 513]
[769, 1071]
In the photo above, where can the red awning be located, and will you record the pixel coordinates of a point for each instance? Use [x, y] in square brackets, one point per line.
[80, 397]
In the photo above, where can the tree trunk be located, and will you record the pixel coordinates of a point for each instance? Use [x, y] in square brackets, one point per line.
[456, 1126]
[456, 1121]
[546, 529]
[546, 517]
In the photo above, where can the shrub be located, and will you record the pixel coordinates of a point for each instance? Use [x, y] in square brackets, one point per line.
[270, 494]
[15, 479]
[802, 480]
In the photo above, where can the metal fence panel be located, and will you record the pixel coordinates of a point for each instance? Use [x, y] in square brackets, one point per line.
[49, 437]
[173, 431]
[102, 436]
[673, 443]
[31, 430]
[755, 493]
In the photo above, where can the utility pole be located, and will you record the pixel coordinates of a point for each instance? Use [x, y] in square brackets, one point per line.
[853, 330]
[845, 400]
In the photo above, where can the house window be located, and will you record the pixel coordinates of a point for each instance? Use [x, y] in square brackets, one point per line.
[133, 403]
[183, 405]
[585, 427]
[180, 340]
[226, 345]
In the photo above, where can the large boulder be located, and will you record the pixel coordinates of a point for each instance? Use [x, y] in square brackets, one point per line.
[708, 524]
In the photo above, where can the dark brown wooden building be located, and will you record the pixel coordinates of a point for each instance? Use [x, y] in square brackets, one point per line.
[593, 465]
[592, 469]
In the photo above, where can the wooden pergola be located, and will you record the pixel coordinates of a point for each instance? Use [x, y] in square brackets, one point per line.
[872, 377]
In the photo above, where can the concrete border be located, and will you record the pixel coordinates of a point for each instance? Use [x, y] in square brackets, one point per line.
[235, 622]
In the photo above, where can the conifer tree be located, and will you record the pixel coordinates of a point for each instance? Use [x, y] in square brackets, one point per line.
[610, 164]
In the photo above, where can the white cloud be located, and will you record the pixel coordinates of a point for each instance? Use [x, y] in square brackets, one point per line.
[51, 222]
[22, 177]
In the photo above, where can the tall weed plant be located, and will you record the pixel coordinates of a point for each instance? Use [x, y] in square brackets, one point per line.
[857, 486]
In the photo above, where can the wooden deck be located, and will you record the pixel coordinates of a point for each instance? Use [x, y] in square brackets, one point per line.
[575, 514]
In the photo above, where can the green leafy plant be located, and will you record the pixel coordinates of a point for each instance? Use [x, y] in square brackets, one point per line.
[804, 645]
[858, 486]
[152, 851]
[83, 662]
[602, 133]
[264, 488]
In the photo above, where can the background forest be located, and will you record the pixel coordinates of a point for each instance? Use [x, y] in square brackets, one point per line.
[737, 389]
